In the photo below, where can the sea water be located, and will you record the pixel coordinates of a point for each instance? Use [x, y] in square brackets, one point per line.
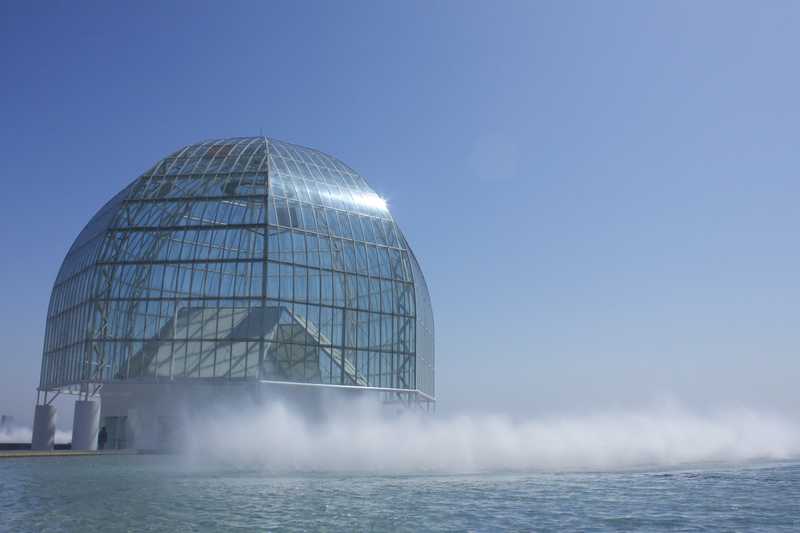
[174, 493]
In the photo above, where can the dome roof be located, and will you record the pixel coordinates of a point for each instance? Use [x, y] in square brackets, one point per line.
[278, 159]
[242, 258]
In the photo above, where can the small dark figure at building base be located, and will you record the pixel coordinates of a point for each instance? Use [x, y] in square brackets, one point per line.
[102, 438]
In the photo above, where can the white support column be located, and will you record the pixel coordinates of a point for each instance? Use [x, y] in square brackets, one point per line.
[44, 428]
[85, 425]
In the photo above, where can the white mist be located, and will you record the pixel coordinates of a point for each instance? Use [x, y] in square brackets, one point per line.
[358, 437]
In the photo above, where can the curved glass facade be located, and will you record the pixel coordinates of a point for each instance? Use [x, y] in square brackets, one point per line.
[247, 258]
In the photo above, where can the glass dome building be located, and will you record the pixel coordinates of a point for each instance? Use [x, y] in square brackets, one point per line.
[244, 260]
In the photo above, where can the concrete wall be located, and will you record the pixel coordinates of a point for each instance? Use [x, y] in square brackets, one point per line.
[156, 414]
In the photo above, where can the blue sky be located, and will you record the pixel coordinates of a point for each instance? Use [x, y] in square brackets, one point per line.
[602, 195]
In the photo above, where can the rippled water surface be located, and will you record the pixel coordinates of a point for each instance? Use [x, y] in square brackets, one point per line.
[165, 493]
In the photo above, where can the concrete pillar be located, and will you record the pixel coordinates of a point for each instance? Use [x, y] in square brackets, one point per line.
[44, 428]
[85, 425]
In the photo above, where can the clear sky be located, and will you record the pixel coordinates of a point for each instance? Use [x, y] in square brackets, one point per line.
[603, 195]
